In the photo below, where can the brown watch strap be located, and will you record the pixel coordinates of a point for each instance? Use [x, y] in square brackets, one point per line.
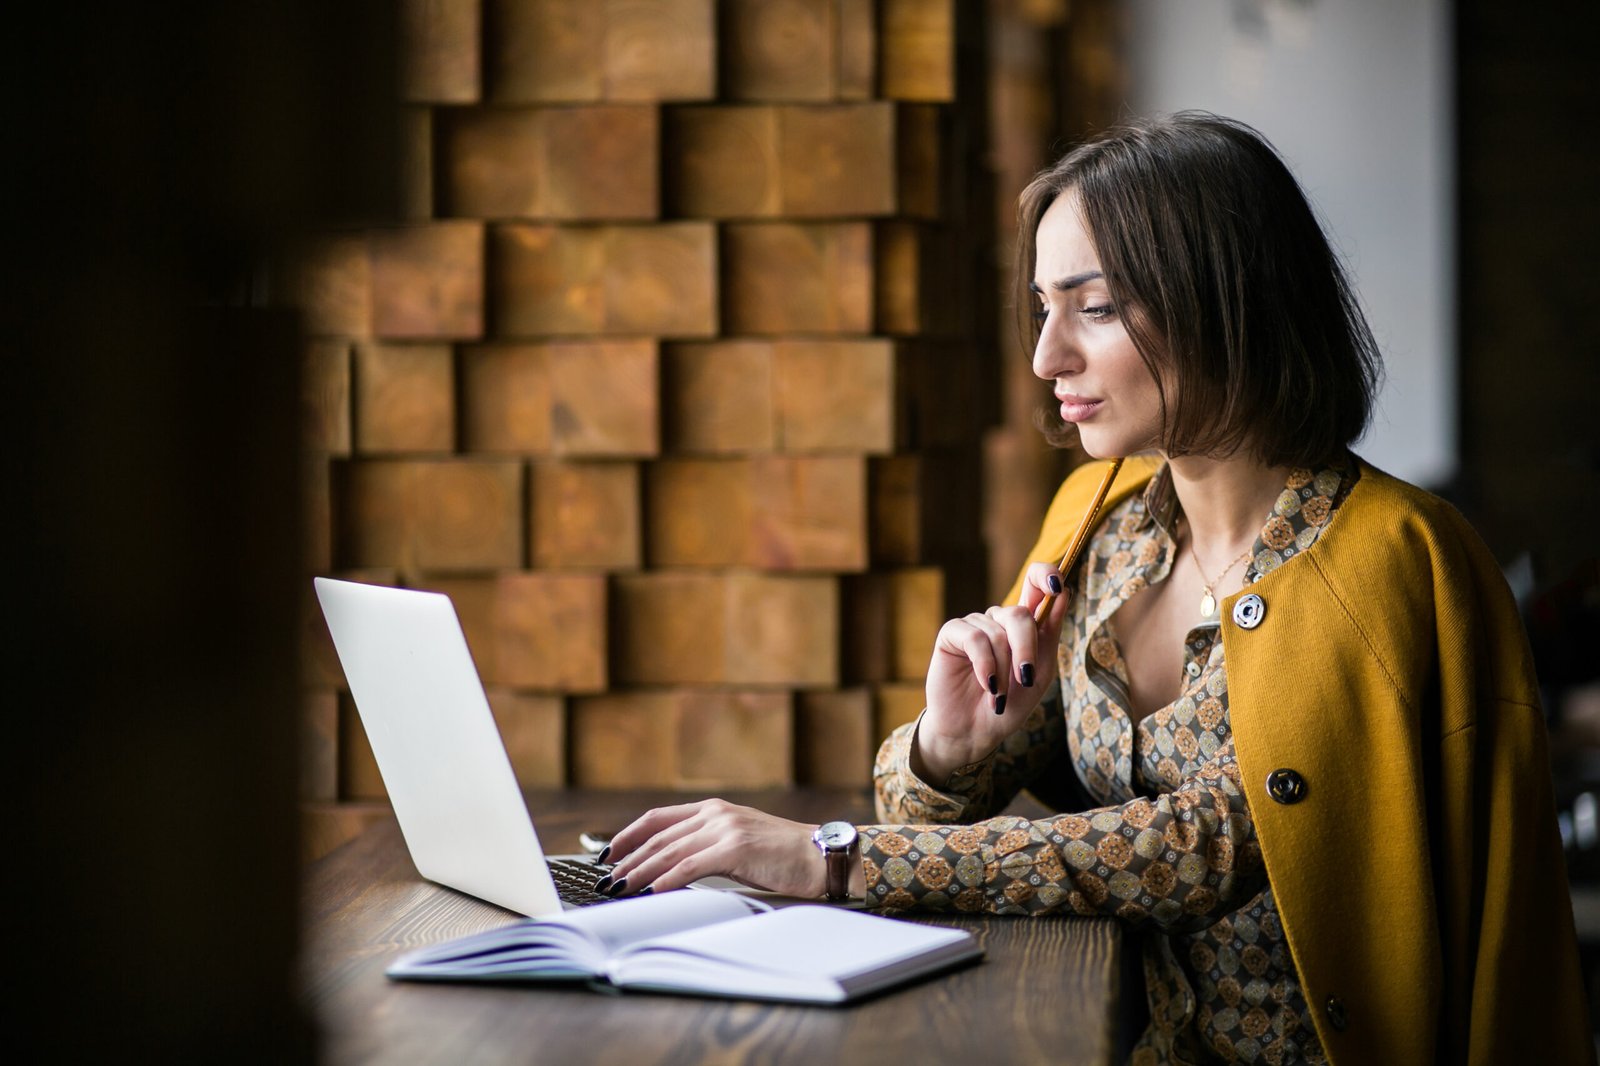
[837, 883]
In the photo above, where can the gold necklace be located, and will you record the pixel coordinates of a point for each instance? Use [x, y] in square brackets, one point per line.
[1208, 600]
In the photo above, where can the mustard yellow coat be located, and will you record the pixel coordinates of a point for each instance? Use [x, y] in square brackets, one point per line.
[1420, 880]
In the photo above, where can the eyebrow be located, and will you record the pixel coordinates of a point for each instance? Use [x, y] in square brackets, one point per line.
[1069, 283]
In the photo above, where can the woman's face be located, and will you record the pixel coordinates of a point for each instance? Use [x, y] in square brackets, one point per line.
[1103, 385]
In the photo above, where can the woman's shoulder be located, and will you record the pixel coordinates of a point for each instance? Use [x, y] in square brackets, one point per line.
[1400, 577]
[1391, 513]
[1395, 543]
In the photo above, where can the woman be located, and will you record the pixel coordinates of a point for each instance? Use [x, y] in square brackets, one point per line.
[1290, 693]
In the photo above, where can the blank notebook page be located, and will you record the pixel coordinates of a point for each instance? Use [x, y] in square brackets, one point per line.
[814, 941]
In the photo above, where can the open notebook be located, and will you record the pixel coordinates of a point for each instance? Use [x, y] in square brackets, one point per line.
[704, 943]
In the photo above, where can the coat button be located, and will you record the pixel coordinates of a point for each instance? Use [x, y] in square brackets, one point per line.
[1336, 1014]
[1248, 611]
[1286, 786]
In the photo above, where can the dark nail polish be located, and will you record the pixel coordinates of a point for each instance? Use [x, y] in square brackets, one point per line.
[647, 889]
[605, 853]
[602, 883]
[1055, 585]
[1027, 675]
[994, 685]
[999, 705]
[619, 888]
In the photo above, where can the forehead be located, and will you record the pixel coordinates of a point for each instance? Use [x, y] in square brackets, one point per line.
[1062, 244]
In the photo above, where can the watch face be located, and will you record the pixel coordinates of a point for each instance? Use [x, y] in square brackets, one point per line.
[836, 835]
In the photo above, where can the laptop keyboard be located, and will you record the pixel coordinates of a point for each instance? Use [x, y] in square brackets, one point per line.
[575, 881]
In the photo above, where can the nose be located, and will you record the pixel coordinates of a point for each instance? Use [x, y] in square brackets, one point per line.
[1054, 355]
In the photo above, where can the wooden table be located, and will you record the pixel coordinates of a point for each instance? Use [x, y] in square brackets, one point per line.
[1049, 990]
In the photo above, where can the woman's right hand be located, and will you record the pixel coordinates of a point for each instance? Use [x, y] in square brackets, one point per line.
[989, 671]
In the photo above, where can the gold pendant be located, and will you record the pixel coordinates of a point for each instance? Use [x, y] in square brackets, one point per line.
[1208, 604]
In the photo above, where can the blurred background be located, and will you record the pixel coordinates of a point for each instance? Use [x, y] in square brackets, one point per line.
[673, 340]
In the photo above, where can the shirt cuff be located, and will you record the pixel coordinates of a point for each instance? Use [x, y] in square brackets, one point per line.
[965, 784]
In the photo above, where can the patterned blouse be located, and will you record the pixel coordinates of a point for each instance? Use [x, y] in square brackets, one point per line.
[1173, 851]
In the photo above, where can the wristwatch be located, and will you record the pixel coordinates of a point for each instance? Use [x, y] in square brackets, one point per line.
[839, 845]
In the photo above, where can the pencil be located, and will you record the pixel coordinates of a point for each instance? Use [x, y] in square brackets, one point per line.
[1082, 535]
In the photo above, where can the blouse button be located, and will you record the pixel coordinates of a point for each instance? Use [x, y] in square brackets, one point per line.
[1248, 611]
[1336, 1014]
[1286, 786]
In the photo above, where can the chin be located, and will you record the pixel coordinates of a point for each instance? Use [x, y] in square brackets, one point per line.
[1100, 446]
[1100, 442]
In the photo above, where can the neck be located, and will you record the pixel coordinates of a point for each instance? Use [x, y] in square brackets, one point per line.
[1224, 502]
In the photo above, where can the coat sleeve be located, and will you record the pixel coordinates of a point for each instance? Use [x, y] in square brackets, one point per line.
[1508, 939]
[1521, 974]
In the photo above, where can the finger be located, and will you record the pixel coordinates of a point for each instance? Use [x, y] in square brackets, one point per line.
[1022, 639]
[701, 853]
[648, 825]
[1057, 616]
[960, 638]
[999, 683]
[696, 858]
[712, 842]
[1041, 580]
[1049, 630]
[637, 867]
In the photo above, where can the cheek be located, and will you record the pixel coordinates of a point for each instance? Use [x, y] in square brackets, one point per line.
[1143, 398]
[1149, 390]
[1131, 373]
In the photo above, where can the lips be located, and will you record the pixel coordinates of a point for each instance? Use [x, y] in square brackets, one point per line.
[1075, 409]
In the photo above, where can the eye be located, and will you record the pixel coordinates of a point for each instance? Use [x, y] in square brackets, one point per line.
[1041, 314]
[1098, 313]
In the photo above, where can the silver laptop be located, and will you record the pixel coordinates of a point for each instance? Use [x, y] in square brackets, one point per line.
[440, 754]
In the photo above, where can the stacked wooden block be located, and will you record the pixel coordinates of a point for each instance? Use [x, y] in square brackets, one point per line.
[661, 380]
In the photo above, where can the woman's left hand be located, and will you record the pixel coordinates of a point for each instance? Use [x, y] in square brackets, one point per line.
[669, 847]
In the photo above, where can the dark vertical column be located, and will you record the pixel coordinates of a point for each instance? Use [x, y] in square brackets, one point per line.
[1527, 99]
[157, 153]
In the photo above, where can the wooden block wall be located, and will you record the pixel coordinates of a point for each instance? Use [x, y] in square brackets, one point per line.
[659, 379]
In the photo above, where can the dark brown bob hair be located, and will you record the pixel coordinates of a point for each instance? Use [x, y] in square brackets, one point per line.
[1226, 284]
